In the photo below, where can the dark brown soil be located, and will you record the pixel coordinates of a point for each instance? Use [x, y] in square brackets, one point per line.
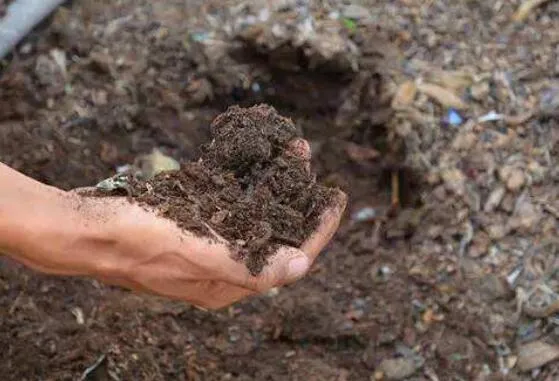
[248, 187]
[389, 286]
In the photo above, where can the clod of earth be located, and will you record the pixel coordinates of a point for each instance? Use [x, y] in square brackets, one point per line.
[248, 187]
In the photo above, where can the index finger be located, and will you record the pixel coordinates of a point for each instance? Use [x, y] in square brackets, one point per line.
[330, 221]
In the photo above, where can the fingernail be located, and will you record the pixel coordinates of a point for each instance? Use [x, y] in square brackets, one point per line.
[298, 267]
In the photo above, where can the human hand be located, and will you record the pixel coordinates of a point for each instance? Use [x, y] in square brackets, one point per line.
[125, 244]
[151, 254]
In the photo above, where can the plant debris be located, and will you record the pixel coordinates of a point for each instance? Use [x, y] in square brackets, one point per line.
[536, 354]
[526, 8]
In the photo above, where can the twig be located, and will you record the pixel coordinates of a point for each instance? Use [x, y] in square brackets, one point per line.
[395, 182]
[217, 237]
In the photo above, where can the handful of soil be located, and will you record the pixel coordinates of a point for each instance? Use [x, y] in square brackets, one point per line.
[246, 186]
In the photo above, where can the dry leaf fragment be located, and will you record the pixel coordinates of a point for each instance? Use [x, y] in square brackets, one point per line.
[455, 80]
[519, 119]
[360, 153]
[443, 96]
[404, 95]
[542, 312]
[494, 199]
[525, 8]
[536, 354]
[155, 162]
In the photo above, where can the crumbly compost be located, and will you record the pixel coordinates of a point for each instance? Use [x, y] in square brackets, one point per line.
[247, 186]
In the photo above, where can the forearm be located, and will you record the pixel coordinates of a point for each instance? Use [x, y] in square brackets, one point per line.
[42, 226]
[22, 202]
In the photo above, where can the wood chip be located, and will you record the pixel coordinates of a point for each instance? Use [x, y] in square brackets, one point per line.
[359, 153]
[526, 8]
[443, 96]
[455, 80]
[542, 312]
[404, 95]
[519, 119]
[536, 354]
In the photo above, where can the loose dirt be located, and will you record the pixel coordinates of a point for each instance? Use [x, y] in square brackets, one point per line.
[248, 186]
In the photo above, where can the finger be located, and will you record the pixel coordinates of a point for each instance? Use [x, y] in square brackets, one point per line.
[300, 148]
[286, 266]
[216, 295]
[205, 294]
[330, 221]
[210, 295]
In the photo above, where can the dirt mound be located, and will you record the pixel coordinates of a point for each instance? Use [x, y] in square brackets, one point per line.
[248, 187]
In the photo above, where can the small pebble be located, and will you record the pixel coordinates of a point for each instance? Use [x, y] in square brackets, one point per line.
[454, 180]
[515, 180]
[464, 141]
[497, 231]
[526, 215]
[536, 171]
[549, 101]
[494, 199]
[398, 369]
[480, 91]
[365, 214]
[491, 287]
[356, 12]
[26, 48]
[479, 246]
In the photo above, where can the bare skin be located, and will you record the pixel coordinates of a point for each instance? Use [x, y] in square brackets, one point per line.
[119, 243]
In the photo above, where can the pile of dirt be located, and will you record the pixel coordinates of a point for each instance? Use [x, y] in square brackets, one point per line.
[249, 187]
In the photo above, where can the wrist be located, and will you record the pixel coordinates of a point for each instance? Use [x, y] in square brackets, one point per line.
[22, 202]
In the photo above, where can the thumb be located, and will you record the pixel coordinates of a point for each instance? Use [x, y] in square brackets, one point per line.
[286, 266]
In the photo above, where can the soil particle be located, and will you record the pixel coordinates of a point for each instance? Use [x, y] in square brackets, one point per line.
[246, 187]
[397, 369]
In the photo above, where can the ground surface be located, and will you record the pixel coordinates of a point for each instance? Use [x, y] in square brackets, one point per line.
[452, 284]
